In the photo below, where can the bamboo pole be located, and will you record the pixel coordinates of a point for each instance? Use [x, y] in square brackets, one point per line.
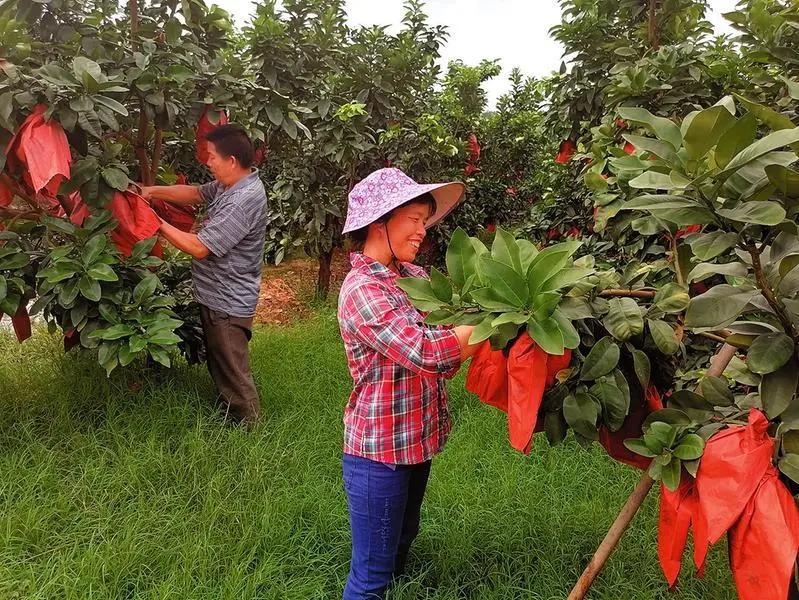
[717, 365]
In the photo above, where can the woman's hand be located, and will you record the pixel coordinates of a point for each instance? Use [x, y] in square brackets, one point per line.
[464, 332]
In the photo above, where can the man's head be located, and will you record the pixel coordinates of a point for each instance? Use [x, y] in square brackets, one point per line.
[230, 153]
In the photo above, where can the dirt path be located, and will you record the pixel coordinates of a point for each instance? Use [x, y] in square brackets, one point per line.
[287, 290]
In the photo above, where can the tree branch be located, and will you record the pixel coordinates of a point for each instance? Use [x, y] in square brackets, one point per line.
[768, 293]
[623, 293]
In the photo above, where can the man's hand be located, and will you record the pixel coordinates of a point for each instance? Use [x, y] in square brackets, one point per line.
[175, 194]
[146, 192]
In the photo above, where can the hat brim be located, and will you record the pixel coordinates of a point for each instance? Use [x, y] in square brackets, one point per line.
[448, 196]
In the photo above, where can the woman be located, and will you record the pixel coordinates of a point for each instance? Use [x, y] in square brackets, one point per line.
[396, 418]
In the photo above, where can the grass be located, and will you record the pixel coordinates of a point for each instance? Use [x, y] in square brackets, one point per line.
[109, 490]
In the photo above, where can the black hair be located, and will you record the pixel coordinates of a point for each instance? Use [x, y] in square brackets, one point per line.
[232, 140]
[358, 237]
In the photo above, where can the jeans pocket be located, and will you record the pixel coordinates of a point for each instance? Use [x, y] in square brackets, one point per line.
[349, 466]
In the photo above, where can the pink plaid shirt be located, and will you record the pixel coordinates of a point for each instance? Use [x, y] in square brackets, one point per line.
[397, 412]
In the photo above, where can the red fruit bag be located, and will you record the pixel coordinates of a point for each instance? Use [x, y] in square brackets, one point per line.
[764, 541]
[204, 127]
[40, 149]
[136, 219]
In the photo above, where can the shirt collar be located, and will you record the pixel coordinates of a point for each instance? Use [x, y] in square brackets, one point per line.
[244, 181]
[360, 261]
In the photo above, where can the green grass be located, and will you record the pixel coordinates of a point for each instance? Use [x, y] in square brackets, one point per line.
[111, 493]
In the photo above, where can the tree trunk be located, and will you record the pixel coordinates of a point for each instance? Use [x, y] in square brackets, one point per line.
[323, 279]
[654, 42]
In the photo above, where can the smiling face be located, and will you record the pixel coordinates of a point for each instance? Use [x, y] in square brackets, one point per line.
[405, 229]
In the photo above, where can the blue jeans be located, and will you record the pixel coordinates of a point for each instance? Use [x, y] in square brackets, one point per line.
[385, 506]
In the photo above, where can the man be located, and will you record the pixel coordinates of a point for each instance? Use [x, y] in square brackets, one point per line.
[226, 270]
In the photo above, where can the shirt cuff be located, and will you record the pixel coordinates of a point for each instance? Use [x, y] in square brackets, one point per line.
[448, 351]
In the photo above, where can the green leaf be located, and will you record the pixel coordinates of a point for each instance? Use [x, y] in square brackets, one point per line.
[549, 263]
[90, 289]
[710, 245]
[663, 128]
[3, 288]
[490, 300]
[547, 334]
[601, 360]
[769, 352]
[507, 284]
[111, 104]
[614, 407]
[672, 298]
[704, 270]
[114, 332]
[786, 180]
[777, 389]
[706, 129]
[671, 474]
[789, 465]
[660, 202]
[571, 339]
[655, 147]
[483, 330]
[691, 447]
[527, 252]
[757, 212]
[580, 412]
[652, 180]
[773, 120]
[565, 278]
[716, 390]
[516, 318]
[145, 288]
[461, 258]
[82, 66]
[93, 249]
[735, 139]
[642, 367]
[624, 319]
[102, 272]
[275, 114]
[440, 285]
[639, 447]
[173, 30]
[116, 178]
[769, 143]
[159, 355]
[664, 336]
[718, 307]
[505, 250]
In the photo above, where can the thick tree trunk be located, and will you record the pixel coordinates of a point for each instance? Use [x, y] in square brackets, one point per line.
[323, 278]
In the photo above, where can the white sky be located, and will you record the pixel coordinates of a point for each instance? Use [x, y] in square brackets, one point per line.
[514, 31]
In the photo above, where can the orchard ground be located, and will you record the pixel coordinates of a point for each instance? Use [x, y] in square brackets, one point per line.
[131, 487]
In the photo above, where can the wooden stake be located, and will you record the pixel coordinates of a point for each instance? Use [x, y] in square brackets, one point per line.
[717, 365]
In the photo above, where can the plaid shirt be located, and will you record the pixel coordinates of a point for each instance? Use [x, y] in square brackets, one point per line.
[397, 412]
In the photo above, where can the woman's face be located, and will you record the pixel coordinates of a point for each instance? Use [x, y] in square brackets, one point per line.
[406, 230]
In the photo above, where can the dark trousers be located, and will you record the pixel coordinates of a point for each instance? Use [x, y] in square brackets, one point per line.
[227, 349]
[385, 507]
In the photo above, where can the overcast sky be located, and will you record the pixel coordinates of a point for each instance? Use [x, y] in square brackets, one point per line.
[514, 31]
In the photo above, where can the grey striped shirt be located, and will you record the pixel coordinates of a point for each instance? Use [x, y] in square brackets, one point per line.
[229, 278]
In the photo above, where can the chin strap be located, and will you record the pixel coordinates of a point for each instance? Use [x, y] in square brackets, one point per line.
[394, 259]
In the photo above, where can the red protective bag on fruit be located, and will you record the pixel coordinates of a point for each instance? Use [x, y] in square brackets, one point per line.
[565, 152]
[204, 127]
[21, 322]
[765, 540]
[181, 216]
[488, 376]
[136, 222]
[678, 510]
[613, 441]
[40, 149]
[730, 471]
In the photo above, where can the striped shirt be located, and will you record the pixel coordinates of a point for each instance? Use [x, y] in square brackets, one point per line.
[228, 280]
[397, 412]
